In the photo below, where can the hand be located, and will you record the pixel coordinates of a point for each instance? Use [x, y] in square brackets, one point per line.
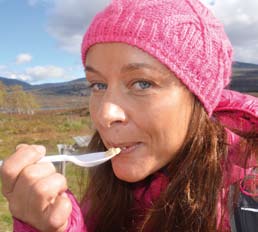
[35, 191]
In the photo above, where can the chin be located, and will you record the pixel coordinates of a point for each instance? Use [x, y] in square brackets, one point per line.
[129, 174]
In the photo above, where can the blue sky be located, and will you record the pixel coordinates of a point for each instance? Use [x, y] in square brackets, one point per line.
[40, 39]
[24, 30]
[27, 47]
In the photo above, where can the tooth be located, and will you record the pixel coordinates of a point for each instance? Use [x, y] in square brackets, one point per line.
[112, 151]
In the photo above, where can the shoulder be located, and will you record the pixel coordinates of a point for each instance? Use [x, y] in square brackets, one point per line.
[238, 112]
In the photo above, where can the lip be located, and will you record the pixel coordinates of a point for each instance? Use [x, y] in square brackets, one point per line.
[126, 147]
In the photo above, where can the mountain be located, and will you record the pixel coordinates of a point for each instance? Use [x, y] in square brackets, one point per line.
[243, 65]
[244, 77]
[71, 94]
[10, 82]
[76, 87]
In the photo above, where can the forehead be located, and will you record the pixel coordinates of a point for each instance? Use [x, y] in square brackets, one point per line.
[120, 54]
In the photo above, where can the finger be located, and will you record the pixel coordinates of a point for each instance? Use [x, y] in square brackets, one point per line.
[21, 145]
[34, 172]
[58, 213]
[43, 197]
[22, 189]
[11, 168]
[39, 148]
[45, 191]
[31, 174]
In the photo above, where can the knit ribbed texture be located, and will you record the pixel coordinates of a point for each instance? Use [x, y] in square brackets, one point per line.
[182, 34]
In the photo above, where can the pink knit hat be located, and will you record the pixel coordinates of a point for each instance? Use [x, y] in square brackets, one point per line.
[182, 34]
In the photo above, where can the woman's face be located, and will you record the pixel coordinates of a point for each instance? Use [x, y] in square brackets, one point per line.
[138, 105]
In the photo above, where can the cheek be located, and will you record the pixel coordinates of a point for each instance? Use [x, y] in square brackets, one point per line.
[93, 108]
[168, 124]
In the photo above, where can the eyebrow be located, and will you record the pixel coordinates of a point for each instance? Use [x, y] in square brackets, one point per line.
[125, 68]
[137, 66]
[90, 69]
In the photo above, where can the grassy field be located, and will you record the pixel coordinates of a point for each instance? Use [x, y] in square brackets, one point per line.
[254, 94]
[48, 128]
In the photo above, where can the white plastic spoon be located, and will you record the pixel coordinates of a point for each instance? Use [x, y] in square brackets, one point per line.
[85, 160]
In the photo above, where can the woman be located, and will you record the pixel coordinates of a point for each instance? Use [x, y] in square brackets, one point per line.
[158, 72]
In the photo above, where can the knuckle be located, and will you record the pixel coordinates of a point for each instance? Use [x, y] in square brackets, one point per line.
[28, 151]
[40, 189]
[39, 149]
[8, 170]
[51, 167]
[62, 180]
[21, 146]
[29, 173]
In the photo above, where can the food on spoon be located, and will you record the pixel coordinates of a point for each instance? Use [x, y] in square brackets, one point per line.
[112, 151]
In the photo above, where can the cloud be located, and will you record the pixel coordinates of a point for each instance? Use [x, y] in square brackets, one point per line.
[208, 2]
[40, 74]
[240, 19]
[232, 11]
[6, 72]
[23, 58]
[45, 72]
[69, 19]
[15, 75]
[21, 76]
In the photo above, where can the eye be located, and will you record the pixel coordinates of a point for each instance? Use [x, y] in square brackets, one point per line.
[98, 86]
[140, 85]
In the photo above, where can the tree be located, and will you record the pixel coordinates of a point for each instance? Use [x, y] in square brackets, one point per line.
[2, 94]
[19, 101]
[30, 103]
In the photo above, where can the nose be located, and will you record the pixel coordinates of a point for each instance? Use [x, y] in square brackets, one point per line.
[111, 113]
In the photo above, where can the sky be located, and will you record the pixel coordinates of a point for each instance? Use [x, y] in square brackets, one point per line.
[40, 39]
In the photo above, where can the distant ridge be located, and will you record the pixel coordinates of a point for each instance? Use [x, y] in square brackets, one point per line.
[76, 87]
[237, 64]
[10, 82]
[244, 77]
[47, 85]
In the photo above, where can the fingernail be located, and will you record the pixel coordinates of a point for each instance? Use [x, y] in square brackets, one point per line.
[41, 149]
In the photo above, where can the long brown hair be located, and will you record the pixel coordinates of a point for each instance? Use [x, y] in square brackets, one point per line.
[189, 202]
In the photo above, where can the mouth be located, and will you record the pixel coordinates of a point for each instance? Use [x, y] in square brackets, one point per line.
[127, 147]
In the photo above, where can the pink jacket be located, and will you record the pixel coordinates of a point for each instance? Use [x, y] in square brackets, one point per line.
[235, 111]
